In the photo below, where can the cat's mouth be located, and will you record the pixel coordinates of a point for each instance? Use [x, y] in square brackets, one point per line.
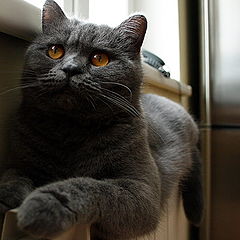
[66, 95]
[65, 91]
[68, 98]
[65, 99]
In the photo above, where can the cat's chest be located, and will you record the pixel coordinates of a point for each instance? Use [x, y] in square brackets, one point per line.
[61, 151]
[75, 154]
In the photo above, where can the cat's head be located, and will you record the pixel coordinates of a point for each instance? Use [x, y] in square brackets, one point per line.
[75, 65]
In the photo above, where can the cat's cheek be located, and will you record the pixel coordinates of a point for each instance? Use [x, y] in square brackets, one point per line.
[42, 215]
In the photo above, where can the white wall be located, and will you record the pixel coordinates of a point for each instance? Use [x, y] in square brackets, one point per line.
[39, 3]
[111, 12]
[162, 36]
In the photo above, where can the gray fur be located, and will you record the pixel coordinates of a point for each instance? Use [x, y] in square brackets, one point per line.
[80, 153]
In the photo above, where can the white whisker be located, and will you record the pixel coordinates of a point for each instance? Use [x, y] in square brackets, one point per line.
[121, 85]
[18, 87]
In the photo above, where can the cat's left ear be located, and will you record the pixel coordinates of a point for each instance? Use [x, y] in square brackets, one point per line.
[134, 29]
[52, 16]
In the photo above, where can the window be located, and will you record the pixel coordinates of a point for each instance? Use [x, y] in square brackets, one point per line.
[162, 36]
[109, 12]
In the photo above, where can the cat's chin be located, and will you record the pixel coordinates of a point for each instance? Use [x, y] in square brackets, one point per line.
[69, 100]
[65, 102]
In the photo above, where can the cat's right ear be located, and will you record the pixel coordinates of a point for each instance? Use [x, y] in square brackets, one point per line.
[133, 31]
[52, 16]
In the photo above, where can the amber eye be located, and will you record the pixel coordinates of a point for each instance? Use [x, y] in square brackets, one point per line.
[56, 51]
[99, 59]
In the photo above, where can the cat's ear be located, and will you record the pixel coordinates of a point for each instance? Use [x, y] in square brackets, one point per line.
[134, 29]
[52, 16]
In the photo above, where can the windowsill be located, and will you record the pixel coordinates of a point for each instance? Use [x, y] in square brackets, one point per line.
[154, 78]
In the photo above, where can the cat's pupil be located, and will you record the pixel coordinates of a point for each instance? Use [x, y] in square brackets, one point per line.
[55, 49]
[99, 58]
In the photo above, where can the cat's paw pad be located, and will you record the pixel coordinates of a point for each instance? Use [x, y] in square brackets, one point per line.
[45, 214]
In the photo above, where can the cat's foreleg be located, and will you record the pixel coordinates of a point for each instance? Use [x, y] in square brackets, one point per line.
[13, 190]
[121, 207]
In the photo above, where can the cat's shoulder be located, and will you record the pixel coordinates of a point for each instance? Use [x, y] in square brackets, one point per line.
[162, 112]
[155, 103]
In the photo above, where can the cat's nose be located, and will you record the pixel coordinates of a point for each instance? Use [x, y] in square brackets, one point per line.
[71, 69]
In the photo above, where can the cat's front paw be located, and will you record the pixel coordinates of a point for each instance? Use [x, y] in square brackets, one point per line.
[45, 214]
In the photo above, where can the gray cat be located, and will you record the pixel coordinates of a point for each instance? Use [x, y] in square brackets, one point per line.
[86, 146]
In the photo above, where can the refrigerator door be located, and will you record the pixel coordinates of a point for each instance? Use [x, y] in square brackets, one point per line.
[224, 62]
[225, 184]
[220, 118]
